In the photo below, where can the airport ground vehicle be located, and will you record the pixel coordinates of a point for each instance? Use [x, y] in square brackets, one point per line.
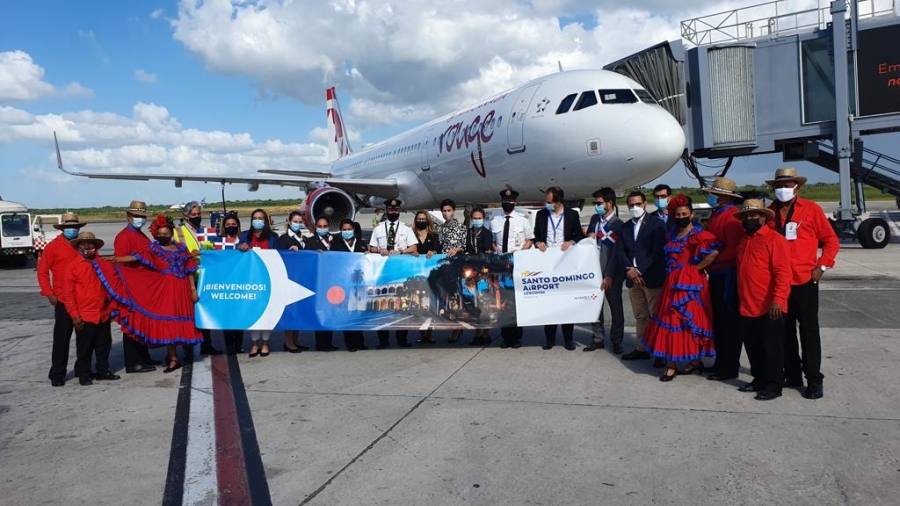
[16, 242]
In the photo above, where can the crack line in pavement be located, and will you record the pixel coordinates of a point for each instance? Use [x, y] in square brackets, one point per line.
[371, 445]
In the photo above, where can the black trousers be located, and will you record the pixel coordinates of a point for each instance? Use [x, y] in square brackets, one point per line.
[803, 308]
[135, 353]
[511, 335]
[94, 339]
[354, 339]
[613, 298]
[323, 339]
[568, 330]
[62, 336]
[234, 340]
[207, 339]
[726, 326]
[384, 338]
[764, 341]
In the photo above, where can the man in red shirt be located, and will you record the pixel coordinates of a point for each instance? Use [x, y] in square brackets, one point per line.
[52, 271]
[128, 242]
[729, 232]
[88, 305]
[764, 284]
[804, 225]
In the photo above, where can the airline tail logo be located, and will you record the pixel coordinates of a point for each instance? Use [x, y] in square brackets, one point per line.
[338, 144]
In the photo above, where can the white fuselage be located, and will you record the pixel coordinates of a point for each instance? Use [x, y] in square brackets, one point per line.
[522, 140]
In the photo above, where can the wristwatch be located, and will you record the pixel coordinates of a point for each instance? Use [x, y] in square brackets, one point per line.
[823, 268]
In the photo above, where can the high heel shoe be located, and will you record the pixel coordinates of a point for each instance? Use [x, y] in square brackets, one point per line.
[666, 376]
[290, 350]
[691, 368]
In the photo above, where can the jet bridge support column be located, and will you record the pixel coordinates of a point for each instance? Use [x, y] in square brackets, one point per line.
[843, 148]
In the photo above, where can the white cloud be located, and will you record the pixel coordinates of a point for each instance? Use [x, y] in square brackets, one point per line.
[22, 79]
[157, 13]
[87, 34]
[144, 76]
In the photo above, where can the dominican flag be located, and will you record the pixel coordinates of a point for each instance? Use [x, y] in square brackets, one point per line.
[607, 237]
[225, 243]
[207, 234]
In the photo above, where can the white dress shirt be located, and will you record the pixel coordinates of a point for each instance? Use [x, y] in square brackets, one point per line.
[519, 231]
[403, 236]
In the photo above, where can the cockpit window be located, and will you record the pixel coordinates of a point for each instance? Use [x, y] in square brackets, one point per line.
[617, 97]
[566, 104]
[587, 99]
[645, 96]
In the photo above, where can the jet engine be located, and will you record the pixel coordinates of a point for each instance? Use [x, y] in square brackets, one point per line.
[329, 202]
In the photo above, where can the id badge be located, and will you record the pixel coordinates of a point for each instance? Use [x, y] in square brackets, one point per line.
[790, 231]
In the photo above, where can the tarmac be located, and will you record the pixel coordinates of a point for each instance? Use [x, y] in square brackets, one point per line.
[455, 424]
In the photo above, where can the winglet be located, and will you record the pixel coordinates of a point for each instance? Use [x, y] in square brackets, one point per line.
[338, 143]
[59, 162]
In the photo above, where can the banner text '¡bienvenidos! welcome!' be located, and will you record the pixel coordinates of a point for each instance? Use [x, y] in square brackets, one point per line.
[234, 291]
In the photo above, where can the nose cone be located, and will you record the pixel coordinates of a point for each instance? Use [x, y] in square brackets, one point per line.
[658, 141]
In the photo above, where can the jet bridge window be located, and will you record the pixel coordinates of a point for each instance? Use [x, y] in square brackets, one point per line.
[645, 96]
[587, 99]
[566, 104]
[617, 97]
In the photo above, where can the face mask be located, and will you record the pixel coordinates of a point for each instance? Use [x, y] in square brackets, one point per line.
[601, 210]
[70, 233]
[784, 194]
[295, 227]
[752, 226]
[421, 225]
[138, 222]
[347, 234]
[662, 203]
[321, 231]
[90, 255]
[477, 223]
[636, 212]
[164, 241]
[508, 207]
[683, 222]
[231, 230]
[258, 224]
[195, 221]
[712, 200]
[393, 216]
[549, 207]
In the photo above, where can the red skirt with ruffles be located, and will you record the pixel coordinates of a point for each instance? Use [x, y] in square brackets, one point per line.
[680, 328]
[152, 308]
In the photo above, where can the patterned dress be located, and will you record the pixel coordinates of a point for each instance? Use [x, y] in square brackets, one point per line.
[680, 327]
[452, 235]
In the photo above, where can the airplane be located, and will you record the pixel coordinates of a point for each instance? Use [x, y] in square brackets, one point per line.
[577, 129]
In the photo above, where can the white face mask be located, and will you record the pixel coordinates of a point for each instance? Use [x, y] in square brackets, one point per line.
[636, 212]
[784, 194]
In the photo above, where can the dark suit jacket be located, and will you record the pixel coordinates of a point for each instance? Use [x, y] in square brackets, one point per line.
[315, 243]
[648, 250]
[609, 261]
[571, 226]
[286, 241]
[338, 244]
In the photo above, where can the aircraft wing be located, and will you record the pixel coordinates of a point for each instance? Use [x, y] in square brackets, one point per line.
[180, 178]
[386, 188]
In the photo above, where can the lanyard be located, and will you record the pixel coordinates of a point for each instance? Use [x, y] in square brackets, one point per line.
[555, 224]
[782, 227]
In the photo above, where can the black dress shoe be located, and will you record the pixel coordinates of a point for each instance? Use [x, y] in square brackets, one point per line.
[636, 355]
[617, 349]
[658, 362]
[57, 383]
[768, 395]
[504, 345]
[665, 376]
[302, 348]
[108, 376]
[813, 391]
[547, 347]
[593, 346]
[793, 382]
[85, 381]
[332, 347]
[172, 367]
[284, 347]
[382, 346]
[405, 344]
[351, 350]
[363, 348]
[570, 346]
[140, 368]
[721, 377]
[210, 351]
[750, 387]
[153, 362]
[516, 345]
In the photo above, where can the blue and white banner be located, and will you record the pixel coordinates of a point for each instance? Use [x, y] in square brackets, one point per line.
[305, 290]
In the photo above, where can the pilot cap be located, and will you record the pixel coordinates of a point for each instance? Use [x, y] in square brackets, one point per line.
[393, 203]
[509, 194]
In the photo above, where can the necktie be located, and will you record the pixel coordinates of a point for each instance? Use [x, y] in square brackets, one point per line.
[390, 238]
[506, 235]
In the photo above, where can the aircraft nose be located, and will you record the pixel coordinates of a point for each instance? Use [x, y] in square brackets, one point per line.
[661, 140]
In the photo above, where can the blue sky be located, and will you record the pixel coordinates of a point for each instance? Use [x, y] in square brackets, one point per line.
[207, 86]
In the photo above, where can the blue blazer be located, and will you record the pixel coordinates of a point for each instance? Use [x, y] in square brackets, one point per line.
[273, 238]
[648, 250]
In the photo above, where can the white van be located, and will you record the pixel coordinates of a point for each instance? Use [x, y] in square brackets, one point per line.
[16, 241]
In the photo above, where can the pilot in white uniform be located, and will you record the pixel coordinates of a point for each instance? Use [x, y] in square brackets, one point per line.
[512, 232]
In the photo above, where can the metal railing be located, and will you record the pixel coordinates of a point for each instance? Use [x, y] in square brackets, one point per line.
[770, 19]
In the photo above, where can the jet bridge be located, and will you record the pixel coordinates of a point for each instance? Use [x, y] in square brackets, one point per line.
[764, 79]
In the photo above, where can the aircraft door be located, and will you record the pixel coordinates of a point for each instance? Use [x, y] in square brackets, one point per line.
[428, 145]
[516, 125]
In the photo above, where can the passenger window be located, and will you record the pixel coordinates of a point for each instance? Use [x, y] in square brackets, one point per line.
[617, 97]
[587, 99]
[645, 96]
[566, 104]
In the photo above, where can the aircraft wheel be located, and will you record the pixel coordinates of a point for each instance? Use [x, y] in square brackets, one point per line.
[873, 233]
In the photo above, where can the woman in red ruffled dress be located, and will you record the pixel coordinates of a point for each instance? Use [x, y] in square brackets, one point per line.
[680, 330]
[155, 306]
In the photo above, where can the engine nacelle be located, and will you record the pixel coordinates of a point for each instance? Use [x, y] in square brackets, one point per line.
[329, 202]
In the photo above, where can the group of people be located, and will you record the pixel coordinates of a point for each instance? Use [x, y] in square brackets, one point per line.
[747, 279]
